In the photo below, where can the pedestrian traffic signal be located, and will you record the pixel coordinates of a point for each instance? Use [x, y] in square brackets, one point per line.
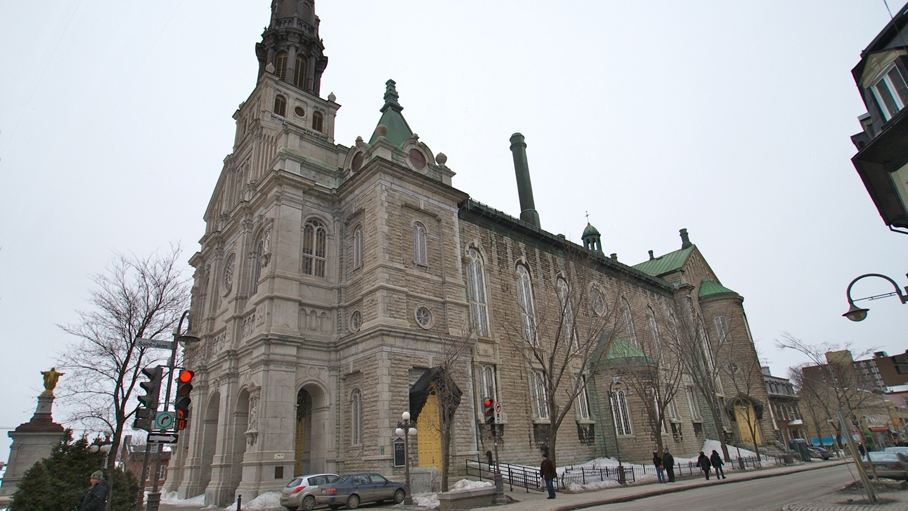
[488, 414]
[182, 401]
[152, 387]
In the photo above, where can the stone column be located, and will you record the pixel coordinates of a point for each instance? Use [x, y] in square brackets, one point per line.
[32, 442]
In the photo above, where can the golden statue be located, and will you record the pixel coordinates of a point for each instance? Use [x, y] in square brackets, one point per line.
[50, 379]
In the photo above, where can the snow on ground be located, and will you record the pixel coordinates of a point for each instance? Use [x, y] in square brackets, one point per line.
[427, 500]
[466, 484]
[268, 500]
[171, 500]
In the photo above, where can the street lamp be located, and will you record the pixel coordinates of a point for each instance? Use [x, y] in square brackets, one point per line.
[103, 446]
[613, 400]
[406, 428]
[856, 313]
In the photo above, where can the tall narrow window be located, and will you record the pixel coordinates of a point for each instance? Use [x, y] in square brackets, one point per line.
[280, 65]
[315, 239]
[257, 265]
[356, 418]
[722, 330]
[694, 405]
[890, 92]
[539, 396]
[419, 244]
[527, 306]
[317, 121]
[357, 246]
[583, 401]
[299, 72]
[629, 329]
[487, 382]
[567, 313]
[477, 289]
[654, 334]
[280, 105]
[620, 413]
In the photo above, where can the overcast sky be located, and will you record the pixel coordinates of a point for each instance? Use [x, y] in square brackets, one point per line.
[730, 119]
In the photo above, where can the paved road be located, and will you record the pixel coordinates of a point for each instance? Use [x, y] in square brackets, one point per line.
[770, 494]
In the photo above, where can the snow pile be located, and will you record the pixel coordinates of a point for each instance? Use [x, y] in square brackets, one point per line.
[466, 484]
[267, 500]
[427, 500]
[171, 499]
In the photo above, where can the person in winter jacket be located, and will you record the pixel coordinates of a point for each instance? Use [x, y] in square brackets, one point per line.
[717, 463]
[660, 470]
[96, 497]
[704, 464]
[547, 471]
[668, 461]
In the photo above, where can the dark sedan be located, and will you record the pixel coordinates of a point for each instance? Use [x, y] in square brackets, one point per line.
[354, 489]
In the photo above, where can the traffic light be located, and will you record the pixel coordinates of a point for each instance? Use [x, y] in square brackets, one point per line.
[488, 414]
[182, 401]
[148, 403]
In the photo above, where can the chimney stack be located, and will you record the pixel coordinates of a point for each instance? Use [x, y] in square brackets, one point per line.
[528, 211]
[685, 240]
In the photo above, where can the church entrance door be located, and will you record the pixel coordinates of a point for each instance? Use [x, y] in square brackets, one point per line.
[429, 441]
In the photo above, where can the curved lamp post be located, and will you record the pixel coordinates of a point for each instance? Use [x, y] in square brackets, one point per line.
[856, 313]
[406, 428]
[613, 400]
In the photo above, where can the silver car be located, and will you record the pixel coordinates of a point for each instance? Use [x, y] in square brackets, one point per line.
[300, 491]
[893, 465]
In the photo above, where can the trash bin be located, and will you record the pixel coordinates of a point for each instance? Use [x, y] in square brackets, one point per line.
[788, 459]
[799, 446]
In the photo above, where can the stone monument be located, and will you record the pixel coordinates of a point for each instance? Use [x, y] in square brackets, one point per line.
[33, 440]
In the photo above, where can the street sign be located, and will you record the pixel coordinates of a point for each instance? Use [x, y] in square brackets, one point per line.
[497, 412]
[154, 343]
[162, 438]
[164, 420]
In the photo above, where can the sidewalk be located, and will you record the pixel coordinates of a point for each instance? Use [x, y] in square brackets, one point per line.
[537, 501]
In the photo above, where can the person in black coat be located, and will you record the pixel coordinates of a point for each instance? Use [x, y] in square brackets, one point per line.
[96, 497]
[717, 462]
[704, 464]
[668, 462]
[660, 470]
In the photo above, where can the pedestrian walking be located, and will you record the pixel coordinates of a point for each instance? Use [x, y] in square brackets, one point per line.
[547, 471]
[704, 464]
[861, 449]
[96, 497]
[660, 470]
[668, 462]
[717, 462]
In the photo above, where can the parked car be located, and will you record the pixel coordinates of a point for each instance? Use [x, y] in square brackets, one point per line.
[354, 489]
[818, 452]
[893, 465]
[300, 491]
[903, 450]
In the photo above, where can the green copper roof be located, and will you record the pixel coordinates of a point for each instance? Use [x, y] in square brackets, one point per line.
[589, 231]
[672, 261]
[623, 352]
[398, 129]
[709, 289]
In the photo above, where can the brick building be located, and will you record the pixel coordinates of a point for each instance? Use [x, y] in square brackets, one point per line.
[332, 280]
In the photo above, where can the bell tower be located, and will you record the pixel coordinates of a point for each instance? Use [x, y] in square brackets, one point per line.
[291, 45]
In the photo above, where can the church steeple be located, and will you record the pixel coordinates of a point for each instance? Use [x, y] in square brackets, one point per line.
[291, 48]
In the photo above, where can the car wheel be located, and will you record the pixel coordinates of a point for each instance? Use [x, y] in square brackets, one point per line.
[308, 503]
[353, 501]
[399, 496]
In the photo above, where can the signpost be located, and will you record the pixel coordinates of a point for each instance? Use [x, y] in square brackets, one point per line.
[497, 412]
[154, 343]
[163, 438]
[164, 420]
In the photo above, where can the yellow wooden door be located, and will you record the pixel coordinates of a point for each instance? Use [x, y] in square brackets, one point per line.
[427, 430]
[746, 418]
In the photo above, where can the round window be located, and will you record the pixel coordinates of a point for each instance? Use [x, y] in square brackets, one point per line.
[356, 321]
[228, 273]
[299, 111]
[417, 159]
[357, 162]
[424, 317]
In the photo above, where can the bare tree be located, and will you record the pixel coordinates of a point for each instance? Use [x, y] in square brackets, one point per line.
[656, 378]
[746, 377]
[563, 335]
[452, 366]
[135, 298]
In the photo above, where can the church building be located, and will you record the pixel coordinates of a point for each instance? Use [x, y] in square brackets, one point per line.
[333, 281]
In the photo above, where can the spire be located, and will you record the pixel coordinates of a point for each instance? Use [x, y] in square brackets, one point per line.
[398, 129]
[291, 48]
[391, 96]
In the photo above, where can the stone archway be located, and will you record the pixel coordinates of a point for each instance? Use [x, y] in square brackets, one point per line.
[239, 443]
[303, 433]
[209, 436]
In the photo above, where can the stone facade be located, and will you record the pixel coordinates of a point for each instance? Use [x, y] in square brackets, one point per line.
[330, 279]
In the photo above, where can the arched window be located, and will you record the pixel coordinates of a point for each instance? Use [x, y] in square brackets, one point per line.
[317, 121]
[527, 306]
[477, 289]
[280, 65]
[357, 246]
[257, 265]
[299, 72]
[629, 329]
[487, 382]
[567, 313]
[315, 239]
[721, 329]
[356, 418]
[540, 406]
[419, 244]
[620, 413]
[583, 401]
[654, 334]
[280, 105]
